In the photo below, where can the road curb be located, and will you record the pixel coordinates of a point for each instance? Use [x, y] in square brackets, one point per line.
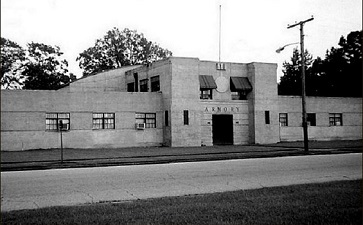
[162, 159]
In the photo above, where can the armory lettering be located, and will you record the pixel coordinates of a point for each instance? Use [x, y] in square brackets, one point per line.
[221, 109]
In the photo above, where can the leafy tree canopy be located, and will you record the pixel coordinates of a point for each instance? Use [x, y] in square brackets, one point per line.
[120, 48]
[39, 66]
[339, 74]
[291, 81]
[44, 68]
[11, 57]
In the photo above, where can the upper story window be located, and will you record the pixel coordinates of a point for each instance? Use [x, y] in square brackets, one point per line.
[206, 94]
[283, 119]
[220, 66]
[239, 95]
[144, 85]
[130, 87]
[54, 120]
[155, 83]
[136, 79]
[103, 121]
[240, 86]
[207, 84]
[335, 119]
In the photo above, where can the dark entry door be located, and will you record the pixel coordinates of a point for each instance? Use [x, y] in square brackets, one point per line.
[222, 129]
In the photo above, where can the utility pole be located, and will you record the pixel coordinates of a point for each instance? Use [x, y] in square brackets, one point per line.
[304, 115]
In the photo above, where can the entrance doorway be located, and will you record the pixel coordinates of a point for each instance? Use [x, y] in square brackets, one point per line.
[222, 129]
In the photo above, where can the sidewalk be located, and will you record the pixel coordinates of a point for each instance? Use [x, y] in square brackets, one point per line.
[73, 158]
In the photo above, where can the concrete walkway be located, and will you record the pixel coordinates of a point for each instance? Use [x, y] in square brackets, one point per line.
[43, 188]
[75, 158]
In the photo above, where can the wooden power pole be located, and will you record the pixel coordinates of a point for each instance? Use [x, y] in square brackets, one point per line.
[304, 115]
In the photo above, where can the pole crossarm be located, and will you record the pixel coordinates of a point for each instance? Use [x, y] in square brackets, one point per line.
[299, 23]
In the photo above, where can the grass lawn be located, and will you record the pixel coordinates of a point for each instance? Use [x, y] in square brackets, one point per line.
[325, 203]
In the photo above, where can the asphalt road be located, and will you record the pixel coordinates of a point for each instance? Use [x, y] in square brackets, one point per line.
[35, 189]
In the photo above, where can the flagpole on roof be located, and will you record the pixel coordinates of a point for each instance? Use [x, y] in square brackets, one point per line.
[220, 24]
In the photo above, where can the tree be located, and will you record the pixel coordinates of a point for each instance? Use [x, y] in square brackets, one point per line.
[11, 57]
[120, 48]
[343, 67]
[44, 68]
[353, 54]
[339, 74]
[290, 82]
[317, 84]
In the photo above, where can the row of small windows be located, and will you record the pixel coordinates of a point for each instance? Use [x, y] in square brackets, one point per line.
[335, 119]
[54, 121]
[144, 84]
[107, 120]
[155, 84]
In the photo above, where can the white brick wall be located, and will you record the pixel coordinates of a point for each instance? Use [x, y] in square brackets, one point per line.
[23, 119]
[351, 109]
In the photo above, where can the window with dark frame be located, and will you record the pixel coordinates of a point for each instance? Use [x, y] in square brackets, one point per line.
[267, 117]
[186, 117]
[206, 93]
[155, 83]
[206, 86]
[166, 118]
[240, 87]
[52, 121]
[239, 95]
[143, 85]
[311, 119]
[283, 119]
[220, 66]
[130, 87]
[335, 119]
[136, 79]
[148, 118]
[103, 121]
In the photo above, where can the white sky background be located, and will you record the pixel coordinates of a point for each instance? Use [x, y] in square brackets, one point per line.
[251, 30]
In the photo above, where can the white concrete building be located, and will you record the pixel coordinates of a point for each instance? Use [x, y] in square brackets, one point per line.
[173, 102]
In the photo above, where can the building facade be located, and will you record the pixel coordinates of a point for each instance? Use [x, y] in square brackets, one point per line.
[173, 102]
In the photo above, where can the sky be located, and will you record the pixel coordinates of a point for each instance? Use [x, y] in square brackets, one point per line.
[251, 31]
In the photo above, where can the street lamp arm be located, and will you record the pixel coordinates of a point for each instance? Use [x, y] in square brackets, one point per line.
[283, 47]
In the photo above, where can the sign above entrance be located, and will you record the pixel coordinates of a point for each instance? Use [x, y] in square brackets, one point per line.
[222, 84]
[221, 109]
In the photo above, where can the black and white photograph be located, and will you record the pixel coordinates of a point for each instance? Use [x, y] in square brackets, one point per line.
[181, 112]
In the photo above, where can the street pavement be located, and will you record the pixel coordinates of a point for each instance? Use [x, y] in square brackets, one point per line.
[58, 187]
